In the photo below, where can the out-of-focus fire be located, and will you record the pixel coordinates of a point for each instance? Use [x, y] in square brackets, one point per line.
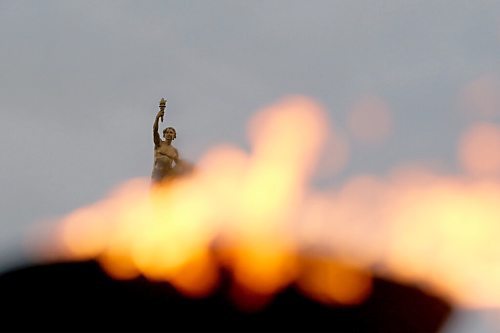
[256, 216]
[482, 96]
[477, 151]
[370, 120]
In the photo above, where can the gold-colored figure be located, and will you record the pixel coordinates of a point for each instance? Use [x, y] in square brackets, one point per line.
[166, 156]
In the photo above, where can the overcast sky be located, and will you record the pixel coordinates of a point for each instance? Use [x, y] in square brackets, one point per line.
[80, 83]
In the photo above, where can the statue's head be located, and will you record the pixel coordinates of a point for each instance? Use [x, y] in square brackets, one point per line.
[169, 133]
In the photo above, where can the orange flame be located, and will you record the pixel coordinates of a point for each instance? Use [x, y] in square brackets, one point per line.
[256, 216]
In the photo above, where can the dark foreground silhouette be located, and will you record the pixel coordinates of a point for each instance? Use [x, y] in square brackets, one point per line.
[81, 297]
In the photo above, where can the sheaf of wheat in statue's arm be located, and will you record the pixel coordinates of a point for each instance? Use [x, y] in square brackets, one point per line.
[166, 156]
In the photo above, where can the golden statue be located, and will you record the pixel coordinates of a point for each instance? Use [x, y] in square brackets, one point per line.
[166, 156]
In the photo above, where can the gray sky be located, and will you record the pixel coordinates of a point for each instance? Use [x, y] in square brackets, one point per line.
[80, 83]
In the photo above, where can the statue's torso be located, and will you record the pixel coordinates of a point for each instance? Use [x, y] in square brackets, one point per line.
[164, 155]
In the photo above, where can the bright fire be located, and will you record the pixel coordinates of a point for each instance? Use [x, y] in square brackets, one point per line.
[256, 216]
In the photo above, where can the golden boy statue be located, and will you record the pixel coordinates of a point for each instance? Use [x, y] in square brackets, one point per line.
[166, 156]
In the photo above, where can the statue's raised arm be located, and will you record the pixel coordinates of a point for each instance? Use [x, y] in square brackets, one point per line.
[159, 116]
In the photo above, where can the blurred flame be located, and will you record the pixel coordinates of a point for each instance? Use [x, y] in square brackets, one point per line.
[331, 281]
[477, 150]
[482, 96]
[255, 216]
[370, 120]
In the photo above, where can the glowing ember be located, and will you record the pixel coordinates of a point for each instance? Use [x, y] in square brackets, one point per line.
[255, 216]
